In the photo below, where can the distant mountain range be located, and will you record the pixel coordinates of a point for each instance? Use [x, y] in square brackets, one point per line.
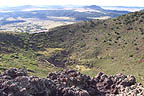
[123, 8]
[118, 8]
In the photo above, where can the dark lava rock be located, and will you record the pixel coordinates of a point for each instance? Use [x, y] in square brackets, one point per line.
[16, 82]
[73, 82]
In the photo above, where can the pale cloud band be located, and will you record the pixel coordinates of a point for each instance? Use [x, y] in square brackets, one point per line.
[73, 2]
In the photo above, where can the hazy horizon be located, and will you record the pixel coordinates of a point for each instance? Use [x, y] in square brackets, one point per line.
[130, 3]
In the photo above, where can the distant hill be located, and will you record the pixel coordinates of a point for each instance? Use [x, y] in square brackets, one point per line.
[94, 7]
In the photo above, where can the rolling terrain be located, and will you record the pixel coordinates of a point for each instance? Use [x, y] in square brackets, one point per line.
[42, 18]
[110, 46]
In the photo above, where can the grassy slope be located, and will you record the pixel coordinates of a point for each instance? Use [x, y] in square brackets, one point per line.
[16, 50]
[111, 46]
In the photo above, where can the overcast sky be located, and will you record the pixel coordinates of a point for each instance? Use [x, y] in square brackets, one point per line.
[73, 2]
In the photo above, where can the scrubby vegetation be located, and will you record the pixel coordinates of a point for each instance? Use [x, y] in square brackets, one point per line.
[111, 46]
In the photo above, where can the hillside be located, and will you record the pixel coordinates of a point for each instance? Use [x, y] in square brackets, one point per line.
[110, 46]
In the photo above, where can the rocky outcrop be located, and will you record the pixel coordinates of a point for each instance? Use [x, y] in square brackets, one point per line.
[16, 82]
[101, 85]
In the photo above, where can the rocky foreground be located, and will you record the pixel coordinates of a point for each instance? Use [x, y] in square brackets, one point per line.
[16, 82]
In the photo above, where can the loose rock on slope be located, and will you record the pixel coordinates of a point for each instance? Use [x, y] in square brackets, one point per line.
[16, 82]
